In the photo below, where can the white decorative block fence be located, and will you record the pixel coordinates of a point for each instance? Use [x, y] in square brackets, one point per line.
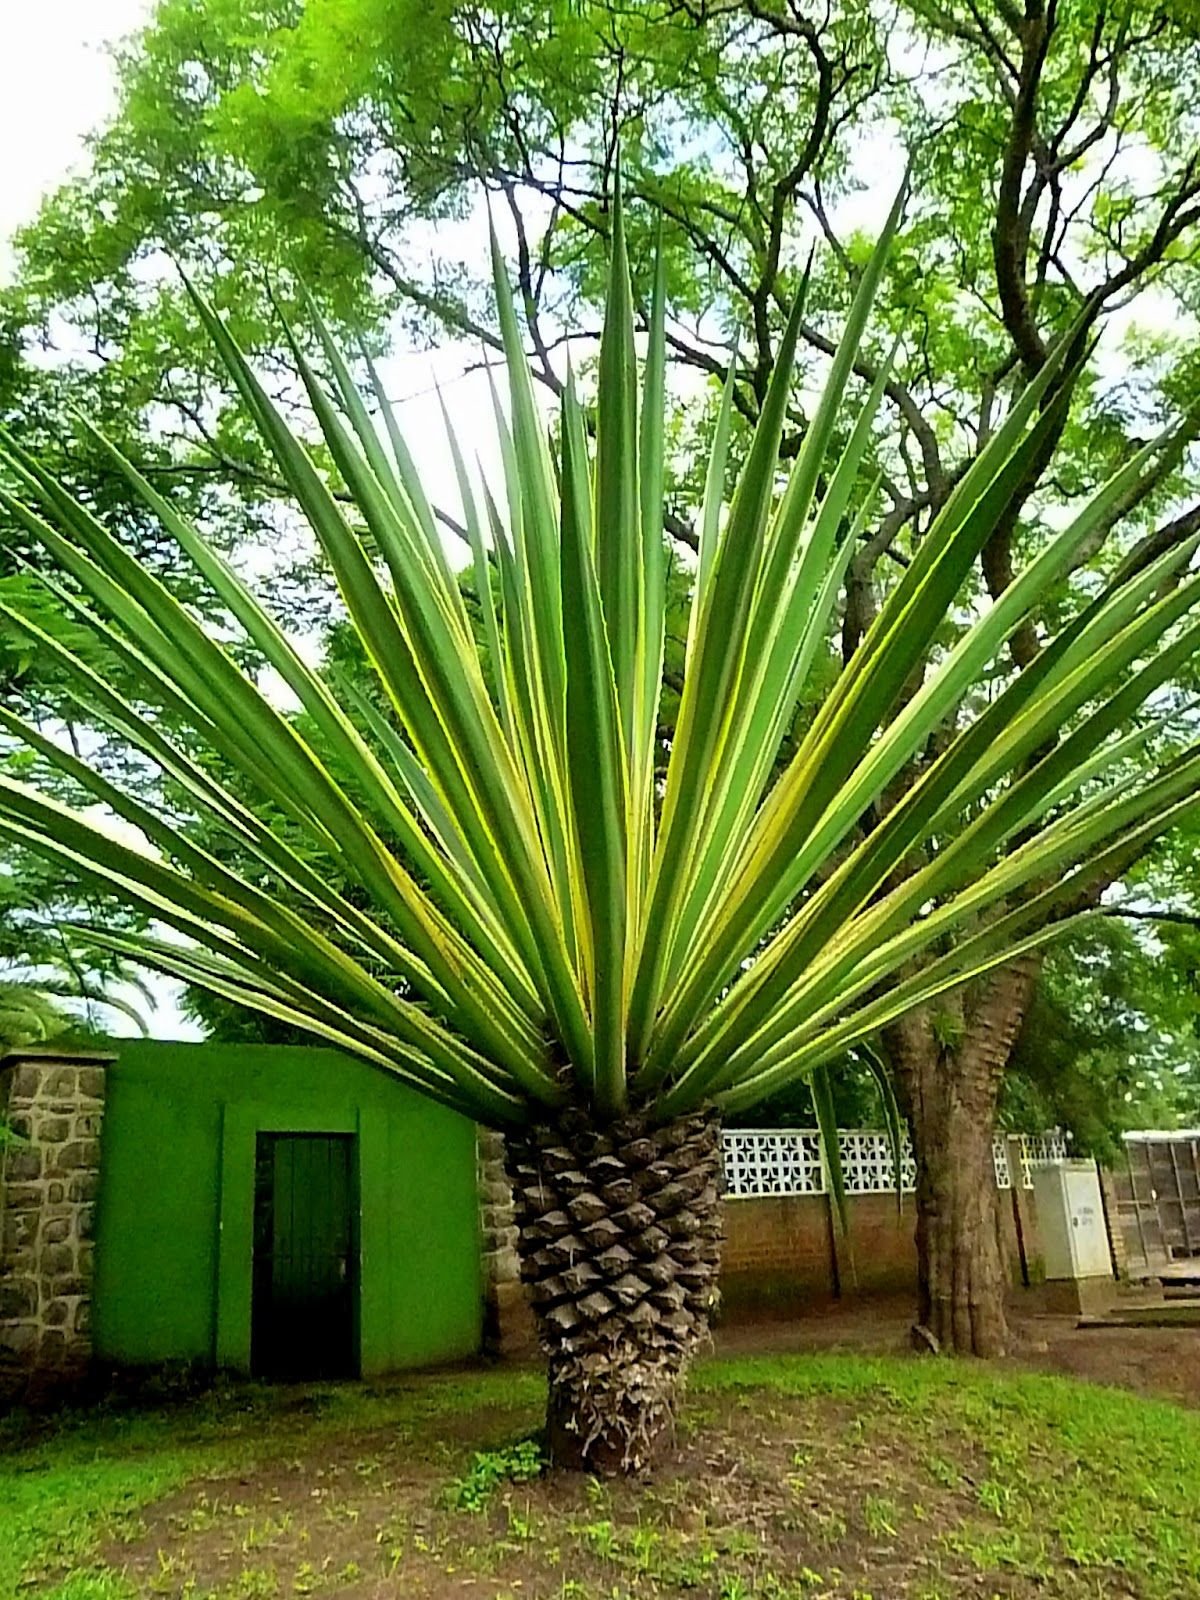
[788, 1161]
[1041, 1150]
[1001, 1162]
[867, 1166]
[762, 1161]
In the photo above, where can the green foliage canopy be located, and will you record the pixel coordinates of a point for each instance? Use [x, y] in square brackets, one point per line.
[581, 928]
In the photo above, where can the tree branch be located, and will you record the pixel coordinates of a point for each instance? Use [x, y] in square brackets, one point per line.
[1010, 235]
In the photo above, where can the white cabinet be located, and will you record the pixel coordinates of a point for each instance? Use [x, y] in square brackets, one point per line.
[1070, 1216]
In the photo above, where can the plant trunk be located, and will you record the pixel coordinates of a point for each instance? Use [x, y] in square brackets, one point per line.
[961, 1278]
[620, 1242]
[949, 1091]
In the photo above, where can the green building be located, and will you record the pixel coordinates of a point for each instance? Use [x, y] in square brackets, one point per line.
[288, 1212]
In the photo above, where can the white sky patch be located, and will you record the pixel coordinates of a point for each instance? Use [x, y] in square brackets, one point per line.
[162, 1018]
[57, 84]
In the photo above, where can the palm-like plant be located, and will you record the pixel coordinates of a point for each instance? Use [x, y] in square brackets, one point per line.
[546, 930]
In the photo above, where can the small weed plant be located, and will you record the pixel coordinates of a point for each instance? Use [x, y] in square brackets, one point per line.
[489, 1469]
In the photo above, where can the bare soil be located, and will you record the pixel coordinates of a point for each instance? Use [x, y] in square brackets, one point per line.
[817, 1458]
[1153, 1361]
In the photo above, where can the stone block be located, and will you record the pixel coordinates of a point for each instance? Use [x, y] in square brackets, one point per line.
[18, 1338]
[23, 1166]
[80, 1155]
[503, 1266]
[91, 1082]
[18, 1298]
[59, 1083]
[25, 1082]
[67, 1285]
[511, 1332]
[56, 1259]
[20, 1231]
[49, 1191]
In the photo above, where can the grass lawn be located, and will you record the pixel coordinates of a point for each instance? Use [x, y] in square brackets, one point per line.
[794, 1478]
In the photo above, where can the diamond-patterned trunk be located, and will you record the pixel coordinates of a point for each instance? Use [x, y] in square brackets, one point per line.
[620, 1245]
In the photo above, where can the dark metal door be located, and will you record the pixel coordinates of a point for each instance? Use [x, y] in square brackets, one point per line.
[304, 1277]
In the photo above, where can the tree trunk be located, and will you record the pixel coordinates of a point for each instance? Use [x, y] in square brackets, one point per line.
[949, 1065]
[620, 1242]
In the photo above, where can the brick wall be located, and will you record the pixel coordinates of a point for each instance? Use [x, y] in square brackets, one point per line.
[778, 1252]
[785, 1251]
[879, 1254]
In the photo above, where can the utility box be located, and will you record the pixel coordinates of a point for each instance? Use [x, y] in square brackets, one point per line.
[1071, 1220]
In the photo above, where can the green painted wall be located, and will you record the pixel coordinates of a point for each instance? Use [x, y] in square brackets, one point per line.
[175, 1211]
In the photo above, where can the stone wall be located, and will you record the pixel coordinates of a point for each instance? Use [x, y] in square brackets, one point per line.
[508, 1324]
[54, 1103]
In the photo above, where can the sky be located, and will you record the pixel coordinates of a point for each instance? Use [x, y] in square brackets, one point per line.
[56, 85]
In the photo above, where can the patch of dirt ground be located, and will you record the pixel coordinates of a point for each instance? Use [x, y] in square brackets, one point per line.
[1153, 1361]
[798, 1497]
[815, 1460]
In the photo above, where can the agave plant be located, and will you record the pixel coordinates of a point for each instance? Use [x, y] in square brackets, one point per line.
[547, 928]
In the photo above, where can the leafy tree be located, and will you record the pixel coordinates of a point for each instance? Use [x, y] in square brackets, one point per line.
[28, 1016]
[1175, 1013]
[47, 970]
[564, 942]
[41, 954]
[1055, 176]
[1105, 1046]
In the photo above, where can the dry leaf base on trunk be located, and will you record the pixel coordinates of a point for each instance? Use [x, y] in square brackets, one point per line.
[620, 1245]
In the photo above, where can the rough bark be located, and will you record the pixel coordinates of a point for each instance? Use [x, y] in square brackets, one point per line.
[949, 1069]
[620, 1239]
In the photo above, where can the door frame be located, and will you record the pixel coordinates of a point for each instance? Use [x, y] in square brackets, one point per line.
[241, 1125]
